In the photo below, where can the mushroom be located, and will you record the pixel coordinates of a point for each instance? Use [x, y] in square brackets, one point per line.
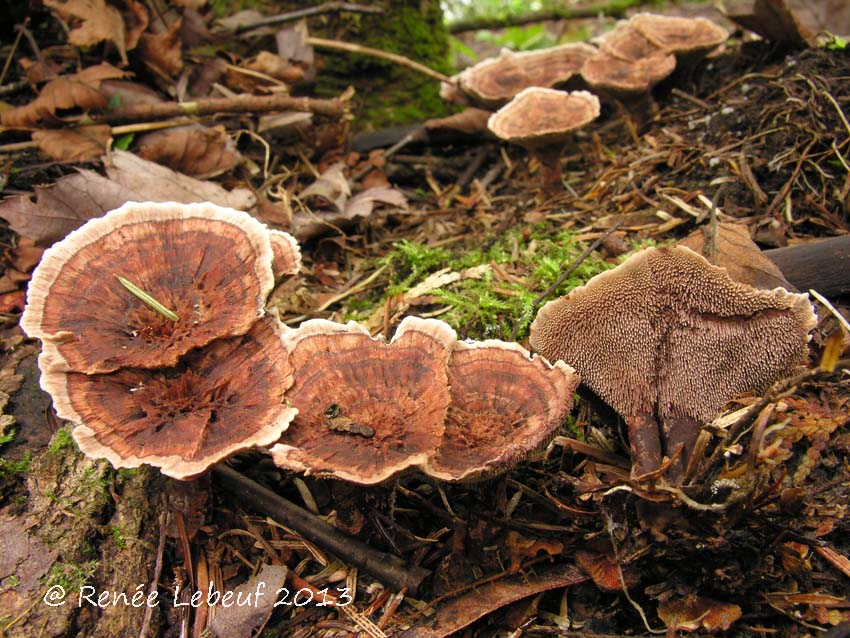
[495, 81]
[542, 120]
[624, 79]
[287, 254]
[667, 339]
[208, 266]
[627, 43]
[505, 403]
[367, 409]
[687, 37]
[222, 398]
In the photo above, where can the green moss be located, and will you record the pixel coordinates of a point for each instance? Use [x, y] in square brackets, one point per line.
[9, 468]
[61, 441]
[71, 576]
[487, 307]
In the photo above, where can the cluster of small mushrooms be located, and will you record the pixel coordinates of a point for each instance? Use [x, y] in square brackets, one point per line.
[156, 344]
[632, 58]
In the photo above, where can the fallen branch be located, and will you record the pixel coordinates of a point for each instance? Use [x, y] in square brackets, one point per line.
[613, 9]
[292, 16]
[335, 107]
[337, 45]
[389, 569]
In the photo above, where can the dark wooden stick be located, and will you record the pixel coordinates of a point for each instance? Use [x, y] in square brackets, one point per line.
[823, 265]
[389, 569]
[292, 16]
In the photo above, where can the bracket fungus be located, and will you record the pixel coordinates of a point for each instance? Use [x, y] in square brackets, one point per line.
[667, 339]
[495, 81]
[542, 120]
[210, 266]
[682, 36]
[286, 259]
[222, 398]
[367, 409]
[505, 403]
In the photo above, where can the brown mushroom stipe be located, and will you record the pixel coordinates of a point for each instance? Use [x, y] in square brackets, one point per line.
[505, 404]
[495, 81]
[210, 265]
[667, 339]
[225, 397]
[543, 120]
[683, 36]
[367, 409]
[287, 254]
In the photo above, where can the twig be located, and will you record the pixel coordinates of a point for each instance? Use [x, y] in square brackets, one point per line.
[336, 298]
[564, 275]
[337, 45]
[292, 16]
[13, 49]
[157, 571]
[335, 107]
[389, 569]
[835, 313]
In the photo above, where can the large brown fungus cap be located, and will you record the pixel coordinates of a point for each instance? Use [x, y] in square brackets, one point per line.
[220, 399]
[495, 81]
[622, 78]
[209, 265]
[367, 409]
[667, 339]
[505, 404]
[538, 117]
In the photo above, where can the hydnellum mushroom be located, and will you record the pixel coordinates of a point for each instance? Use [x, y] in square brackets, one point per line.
[208, 268]
[543, 120]
[667, 339]
[286, 254]
[367, 409]
[505, 403]
[222, 398]
[495, 81]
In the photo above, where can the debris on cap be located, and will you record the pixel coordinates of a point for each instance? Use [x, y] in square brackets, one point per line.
[505, 403]
[209, 266]
[223, 398]
[286, 254]
[667, 339]
[495, 81]
[367, 409]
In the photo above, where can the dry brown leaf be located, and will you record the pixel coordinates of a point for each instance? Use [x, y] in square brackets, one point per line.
[331, 186]
[136, 20]
[80, 144]
[695, 612]
[196, 150]
[98, 21]
[76, 91]
[23, 562]
[163, 52]
[362, 204]
[793, 23]
[240, 621]
[604, 570]
[274, 66]
[122, 94]
[521, 549]
[75, 199]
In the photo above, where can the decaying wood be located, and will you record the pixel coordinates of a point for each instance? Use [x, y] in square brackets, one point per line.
[823, 265]
[389, 569]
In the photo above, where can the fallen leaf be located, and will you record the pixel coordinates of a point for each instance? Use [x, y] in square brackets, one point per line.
[521, 548]
[98, 21]
[331, 186]
[25, 558]
[195, 150]
[74, 199]
[80, 144]
[240, 621]
[465, 609]
[76, 91]
[695, 612]
[163, 51]
[793, 23]
[361, 205]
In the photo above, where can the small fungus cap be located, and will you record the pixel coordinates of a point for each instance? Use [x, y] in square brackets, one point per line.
[220, 399]
[287, 254]
[679, 35]
[505, 403]
[538, 117]
[209, 265]
[495, 81]
[620, 77]
[667, 333]
[367, 409]
[627, 43]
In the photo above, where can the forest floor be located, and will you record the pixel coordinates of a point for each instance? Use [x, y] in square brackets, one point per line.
[564, 544]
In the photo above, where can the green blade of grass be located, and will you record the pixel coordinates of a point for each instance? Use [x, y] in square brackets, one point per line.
[147, 299]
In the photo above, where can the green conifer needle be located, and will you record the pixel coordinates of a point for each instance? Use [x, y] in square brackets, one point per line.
[152, 303]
